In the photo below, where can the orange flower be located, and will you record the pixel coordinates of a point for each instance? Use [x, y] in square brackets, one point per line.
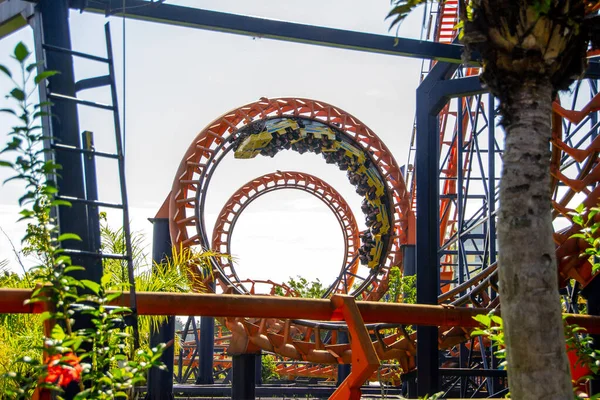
[63, 369]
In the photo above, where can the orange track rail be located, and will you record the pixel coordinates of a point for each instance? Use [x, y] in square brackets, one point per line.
[250, 191]
[189, 183]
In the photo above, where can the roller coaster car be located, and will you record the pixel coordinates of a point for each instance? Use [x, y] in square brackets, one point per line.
[318, 132]
[375, 182]
[381, 225]
[251, 145]
[375, 254]
[347, 156]
[282, 127]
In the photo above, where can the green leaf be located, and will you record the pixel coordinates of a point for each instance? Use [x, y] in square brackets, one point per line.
[73, 268]
[18, 94]
[112, 296]
[68, 236]
[5, 70]
[93, 286]
[40, 299]
[56, 203]
[5, 163]
[46, 315]
[49, 190]
[483, 319]
[578, 235]
[105, 280]
[25, 197]
[57, 332]
[21, 52]
[33, 65]
[9, 111]
[44, 75]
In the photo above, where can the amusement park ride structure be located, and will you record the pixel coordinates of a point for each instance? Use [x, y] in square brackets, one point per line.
[453, 196]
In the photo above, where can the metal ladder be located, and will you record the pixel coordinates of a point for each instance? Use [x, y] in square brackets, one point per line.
[89, 155]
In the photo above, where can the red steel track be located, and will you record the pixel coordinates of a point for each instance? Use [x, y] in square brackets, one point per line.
[244, 196]
[193, 176]
[295, 339]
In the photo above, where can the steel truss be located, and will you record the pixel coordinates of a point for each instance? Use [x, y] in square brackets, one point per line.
[455, 192]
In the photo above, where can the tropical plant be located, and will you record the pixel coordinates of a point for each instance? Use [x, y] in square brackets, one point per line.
[585, 219]
[492, 327]
[90, 362]
[401, 288]
[307, 289]
[530, 49]
[268, 368]
[21, 335]
[577, 341]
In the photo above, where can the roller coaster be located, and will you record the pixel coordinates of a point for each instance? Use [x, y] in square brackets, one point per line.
[272, 125]
[465, 203]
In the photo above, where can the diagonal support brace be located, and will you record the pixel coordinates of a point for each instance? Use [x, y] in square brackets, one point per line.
[364, 356]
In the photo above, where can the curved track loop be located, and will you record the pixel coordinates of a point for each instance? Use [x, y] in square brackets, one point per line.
[186, 203]
[303, 343]
[575, 164]
[244, 196]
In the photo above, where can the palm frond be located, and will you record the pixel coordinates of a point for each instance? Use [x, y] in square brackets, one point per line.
[401, 10]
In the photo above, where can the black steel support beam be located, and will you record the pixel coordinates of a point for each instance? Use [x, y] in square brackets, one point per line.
[427, 160]
[206, 351]
[243, 385]
[433, 93]
[343, 369]
[592, 293]
[52, 27]
[409, 260]
[501, 373]
[258, 370]
[160, 382]
[270, 391]
[279, 30]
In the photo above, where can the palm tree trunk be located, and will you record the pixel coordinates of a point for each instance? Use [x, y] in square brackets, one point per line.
[536, 355]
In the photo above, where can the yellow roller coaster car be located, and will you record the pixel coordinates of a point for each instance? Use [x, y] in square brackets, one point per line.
[375, 253]
[382, 223]
[374, 181]
[283, 126]
[318, 132]
[251, 145]
[355, 156]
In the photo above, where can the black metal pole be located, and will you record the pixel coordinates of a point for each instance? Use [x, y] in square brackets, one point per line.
[160, 382]
[243, 385]
[427, 241]
[409, 259]
[206, 350]
[91, 185]
[258, 371]
[410, 269]
[592, 293]
[343, 369]
[51, 27]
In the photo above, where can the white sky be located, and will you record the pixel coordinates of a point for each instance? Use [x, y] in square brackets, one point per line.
[179, 79]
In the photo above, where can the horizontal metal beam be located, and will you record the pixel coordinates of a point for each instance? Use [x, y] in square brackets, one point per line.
[14, 15]
[215, 305]
[268, 391]
[278, 30]
[498, 373]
